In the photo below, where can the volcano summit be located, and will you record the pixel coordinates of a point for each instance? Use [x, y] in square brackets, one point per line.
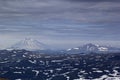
[29, 44]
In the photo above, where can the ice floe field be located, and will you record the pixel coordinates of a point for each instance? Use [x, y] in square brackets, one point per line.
[26, 65]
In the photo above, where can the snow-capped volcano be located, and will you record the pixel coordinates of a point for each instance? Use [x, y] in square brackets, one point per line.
[93, 47]
[29, 44]
[88, 48]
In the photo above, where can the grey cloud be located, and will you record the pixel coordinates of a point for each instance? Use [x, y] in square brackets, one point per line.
[81, 20]
[94, 0]
[83, 12]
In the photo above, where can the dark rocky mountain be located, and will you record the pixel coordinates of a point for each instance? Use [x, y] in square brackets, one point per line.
[92, 48]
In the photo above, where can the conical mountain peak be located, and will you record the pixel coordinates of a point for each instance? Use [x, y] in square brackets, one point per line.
[29, 44]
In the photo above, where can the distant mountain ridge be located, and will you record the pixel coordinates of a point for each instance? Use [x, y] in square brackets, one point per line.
[92, 48]
[34, 45]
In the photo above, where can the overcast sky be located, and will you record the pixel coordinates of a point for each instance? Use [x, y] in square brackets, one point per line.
[60, 23]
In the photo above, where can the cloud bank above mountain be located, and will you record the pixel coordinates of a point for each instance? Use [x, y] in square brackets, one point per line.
[63, 20]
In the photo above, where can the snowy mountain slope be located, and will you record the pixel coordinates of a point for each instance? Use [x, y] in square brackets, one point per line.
[89, 48]
[29, 44]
